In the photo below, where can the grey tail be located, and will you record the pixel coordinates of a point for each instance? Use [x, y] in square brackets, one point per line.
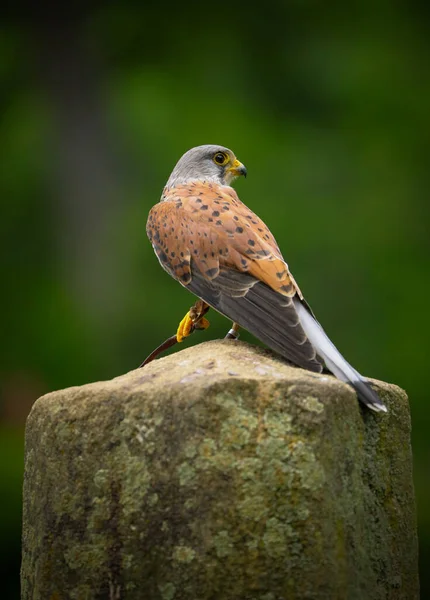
[335, 361]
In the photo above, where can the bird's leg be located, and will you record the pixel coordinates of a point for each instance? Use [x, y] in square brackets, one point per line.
[233, 334]
[194, 319]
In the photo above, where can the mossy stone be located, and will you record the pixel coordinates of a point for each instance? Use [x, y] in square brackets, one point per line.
[218, 473]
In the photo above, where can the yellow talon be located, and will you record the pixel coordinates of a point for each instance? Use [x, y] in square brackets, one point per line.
[186, 327]
[202, 323]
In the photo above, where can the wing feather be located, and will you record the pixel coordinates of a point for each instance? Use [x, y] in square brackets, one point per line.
[272, 318]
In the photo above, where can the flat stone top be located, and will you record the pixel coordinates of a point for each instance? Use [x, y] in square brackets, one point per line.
[218, 362]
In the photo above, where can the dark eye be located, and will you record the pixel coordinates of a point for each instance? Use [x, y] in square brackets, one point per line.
[220, 158]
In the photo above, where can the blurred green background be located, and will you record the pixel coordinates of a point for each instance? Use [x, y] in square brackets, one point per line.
[328, 107]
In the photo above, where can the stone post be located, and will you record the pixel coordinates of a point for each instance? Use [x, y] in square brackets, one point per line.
[218, 473]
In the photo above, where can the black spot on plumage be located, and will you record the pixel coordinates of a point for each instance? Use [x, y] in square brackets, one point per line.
[196, 251]
[236, 218]
[219, 222]
[239, 229]
[251, 242]
[172, 254]
[204, 207]
[286, 288]
[212, 272]
[162, 256]
[215, 213]
[244, 262]
[281, 274]
[185, 277]
[263, 253]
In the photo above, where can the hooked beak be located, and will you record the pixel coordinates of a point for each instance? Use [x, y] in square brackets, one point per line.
[237, 169]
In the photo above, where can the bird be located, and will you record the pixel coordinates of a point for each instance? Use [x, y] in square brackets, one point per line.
[223, 253]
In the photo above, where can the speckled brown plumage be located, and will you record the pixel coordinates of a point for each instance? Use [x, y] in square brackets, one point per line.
[208, 224]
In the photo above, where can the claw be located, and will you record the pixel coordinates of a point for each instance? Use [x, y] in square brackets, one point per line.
[186, 328]
[193, 320]
[202, 323]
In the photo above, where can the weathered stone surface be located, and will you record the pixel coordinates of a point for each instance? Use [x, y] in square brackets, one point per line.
[219, 472]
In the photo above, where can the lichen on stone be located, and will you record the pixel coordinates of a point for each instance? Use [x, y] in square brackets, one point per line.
[183, 554]
[181, 481]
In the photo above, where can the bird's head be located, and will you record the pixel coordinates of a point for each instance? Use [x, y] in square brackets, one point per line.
[207, 163]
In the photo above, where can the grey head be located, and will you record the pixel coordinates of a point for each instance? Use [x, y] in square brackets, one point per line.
[206, 163]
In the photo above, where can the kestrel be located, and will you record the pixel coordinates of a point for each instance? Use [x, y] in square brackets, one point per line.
[217, 248]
